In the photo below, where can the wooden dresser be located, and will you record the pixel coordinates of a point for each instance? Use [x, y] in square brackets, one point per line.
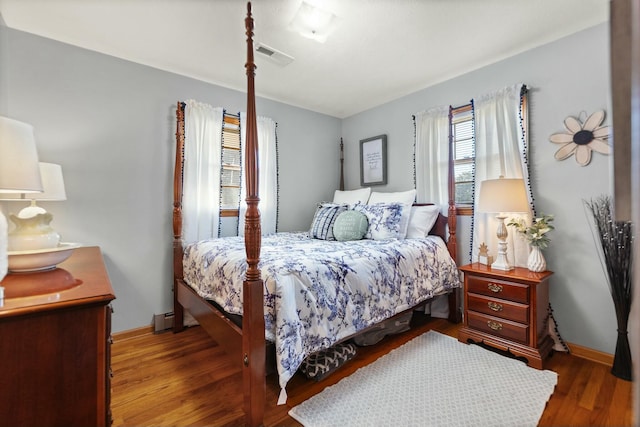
[507, 310]
[55, 356]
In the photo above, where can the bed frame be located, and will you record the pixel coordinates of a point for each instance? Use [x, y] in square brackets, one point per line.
[247, 343]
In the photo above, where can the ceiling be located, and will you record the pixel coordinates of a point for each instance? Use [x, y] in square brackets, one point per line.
[379, 50]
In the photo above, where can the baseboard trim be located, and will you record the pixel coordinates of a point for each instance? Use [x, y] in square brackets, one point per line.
[574, 349]
[132, 333]
[591, 354]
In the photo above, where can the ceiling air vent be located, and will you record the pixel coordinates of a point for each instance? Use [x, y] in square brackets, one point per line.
[274, 55]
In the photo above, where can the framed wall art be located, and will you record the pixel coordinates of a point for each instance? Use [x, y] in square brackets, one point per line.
[373, 160]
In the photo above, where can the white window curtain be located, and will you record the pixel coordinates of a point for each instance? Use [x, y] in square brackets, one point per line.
[268, 175]
[202, 163]
[431, 154]
[501, 150]
[432, 157]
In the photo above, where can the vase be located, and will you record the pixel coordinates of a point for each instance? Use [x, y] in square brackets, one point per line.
[622, 366]
[536, 261]
[33, 233]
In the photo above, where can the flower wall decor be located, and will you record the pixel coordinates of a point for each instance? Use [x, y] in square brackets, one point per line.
[582, 138]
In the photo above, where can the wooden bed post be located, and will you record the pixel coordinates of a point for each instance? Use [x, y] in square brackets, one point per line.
[178, 311]
[253, 340]
[341, 165]
[452, 212]
[455, 308]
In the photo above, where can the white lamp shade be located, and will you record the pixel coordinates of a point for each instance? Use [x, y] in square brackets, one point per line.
[52, 182]
[19, 171]
[503, 195]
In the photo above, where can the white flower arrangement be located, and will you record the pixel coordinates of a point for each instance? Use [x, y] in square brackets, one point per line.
[536, 233]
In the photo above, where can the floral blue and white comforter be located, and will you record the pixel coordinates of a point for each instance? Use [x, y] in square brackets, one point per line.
[318, 292]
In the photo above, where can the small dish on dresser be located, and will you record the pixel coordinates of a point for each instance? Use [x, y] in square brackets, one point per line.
[40, 259]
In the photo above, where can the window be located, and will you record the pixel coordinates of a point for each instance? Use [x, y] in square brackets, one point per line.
[464, 157]
[463, 147]
[230, 174]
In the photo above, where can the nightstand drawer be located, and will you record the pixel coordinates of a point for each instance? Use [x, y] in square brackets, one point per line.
[499, 308]
[498, 289]
[499, 327]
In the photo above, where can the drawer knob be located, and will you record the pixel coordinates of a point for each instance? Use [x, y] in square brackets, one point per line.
[496, 326]
[494, 287]
[494, 306]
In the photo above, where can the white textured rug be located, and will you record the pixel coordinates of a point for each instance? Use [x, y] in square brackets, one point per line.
[434, 380]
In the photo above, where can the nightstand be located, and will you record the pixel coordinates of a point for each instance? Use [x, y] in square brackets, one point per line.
[507, 310]
[55, 327]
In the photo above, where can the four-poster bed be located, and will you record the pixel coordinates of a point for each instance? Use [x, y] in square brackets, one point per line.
[245, 340]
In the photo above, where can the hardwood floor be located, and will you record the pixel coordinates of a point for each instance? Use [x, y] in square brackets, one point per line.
[185, 379]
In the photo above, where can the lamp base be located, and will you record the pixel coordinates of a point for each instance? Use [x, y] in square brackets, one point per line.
[33, 233]
[502, 261]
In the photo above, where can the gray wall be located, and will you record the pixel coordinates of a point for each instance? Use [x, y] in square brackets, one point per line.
[110, 123]
[562, 82]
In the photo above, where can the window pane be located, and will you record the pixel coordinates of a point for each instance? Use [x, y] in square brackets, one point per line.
[230, 138]
[231, 131]
[463, 171]
[229, 198]
[464, 149]
[464, 194]
[230, 172]
[230, 177]
[463, 153]
[230, 157]
[463, 130]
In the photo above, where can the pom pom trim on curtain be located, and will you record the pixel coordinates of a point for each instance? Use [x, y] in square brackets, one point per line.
[501, 150]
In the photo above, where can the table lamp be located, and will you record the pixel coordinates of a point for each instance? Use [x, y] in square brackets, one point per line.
[32, 231]
[501, 196]
[19, 171]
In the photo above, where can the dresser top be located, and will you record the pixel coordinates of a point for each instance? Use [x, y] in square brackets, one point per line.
[81, 279]
[518, 273]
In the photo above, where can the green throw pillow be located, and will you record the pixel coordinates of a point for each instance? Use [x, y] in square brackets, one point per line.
[350, 225]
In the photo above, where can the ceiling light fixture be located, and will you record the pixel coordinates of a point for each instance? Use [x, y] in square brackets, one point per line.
[313, 23]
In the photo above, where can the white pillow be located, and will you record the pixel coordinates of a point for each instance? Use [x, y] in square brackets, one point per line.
[352, 197]
[406, 197]
[422, 220]
[386, 220]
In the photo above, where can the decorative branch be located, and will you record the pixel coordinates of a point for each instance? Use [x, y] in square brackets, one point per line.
[615, 246]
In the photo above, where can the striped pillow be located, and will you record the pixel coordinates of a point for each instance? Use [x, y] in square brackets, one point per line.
[325, 216]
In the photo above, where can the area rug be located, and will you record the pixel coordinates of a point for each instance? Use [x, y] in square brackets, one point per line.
[433, 380]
